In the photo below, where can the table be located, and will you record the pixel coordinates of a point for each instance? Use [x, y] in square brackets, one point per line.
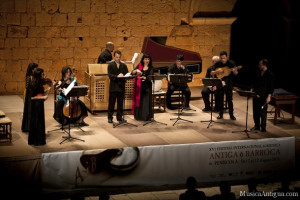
[282, 97]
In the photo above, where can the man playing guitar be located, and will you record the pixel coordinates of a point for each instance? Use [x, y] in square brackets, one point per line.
[227, 83]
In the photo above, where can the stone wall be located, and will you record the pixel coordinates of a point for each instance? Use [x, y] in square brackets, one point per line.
[54, 33]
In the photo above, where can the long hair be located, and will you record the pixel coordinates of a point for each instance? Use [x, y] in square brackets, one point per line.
[146, 56]
[30, 68]
[65, 70]
[37, 76]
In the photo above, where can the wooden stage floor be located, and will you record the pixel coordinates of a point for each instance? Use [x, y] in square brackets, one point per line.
[101, 135]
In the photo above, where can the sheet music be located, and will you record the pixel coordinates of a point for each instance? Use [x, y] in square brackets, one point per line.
[128, 74]
[69, 88]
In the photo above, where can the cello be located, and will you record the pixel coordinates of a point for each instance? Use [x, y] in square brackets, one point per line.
[71, 108]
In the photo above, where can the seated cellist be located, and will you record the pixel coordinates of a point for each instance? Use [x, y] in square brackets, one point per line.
[62, 103]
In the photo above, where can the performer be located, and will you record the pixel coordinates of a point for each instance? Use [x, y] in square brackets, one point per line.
[264, 87]
[106, 55]
[36, 134]
[116, 69]
[178, 68]
[142, 90]
[207, 90]
[62, 103]
[27, 97]
[227, 84]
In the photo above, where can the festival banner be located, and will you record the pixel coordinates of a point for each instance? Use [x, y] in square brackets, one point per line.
[168, 164]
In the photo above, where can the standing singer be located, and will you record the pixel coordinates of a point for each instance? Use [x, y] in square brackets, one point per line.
[264, 87]
[116, 69]
[142, 90]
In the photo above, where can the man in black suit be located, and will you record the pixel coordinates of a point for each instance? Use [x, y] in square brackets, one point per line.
[178, 68]
[116, 69]
[106, 55]
[263, 86]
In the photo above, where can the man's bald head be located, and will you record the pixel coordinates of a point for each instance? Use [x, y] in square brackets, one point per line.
[110, 46]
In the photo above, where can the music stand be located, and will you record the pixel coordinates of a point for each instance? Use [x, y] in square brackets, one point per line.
[62, 125]
[190, 79]
[73, 91]
[247, 94]
[179, 79]
[124, 122]
[153, 78]
[212, 82]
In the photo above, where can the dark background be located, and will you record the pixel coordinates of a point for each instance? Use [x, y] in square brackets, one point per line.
[267, 29]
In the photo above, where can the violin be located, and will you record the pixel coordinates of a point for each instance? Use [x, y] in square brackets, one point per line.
[47, 84]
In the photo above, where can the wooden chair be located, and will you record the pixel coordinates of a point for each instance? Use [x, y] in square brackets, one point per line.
[5, 127]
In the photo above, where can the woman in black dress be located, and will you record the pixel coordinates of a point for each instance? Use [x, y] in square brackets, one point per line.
[27, 97]
[36, 134]
[142, 91]
[59, 116]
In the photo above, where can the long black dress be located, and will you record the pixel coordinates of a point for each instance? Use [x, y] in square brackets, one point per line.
[144, 112]
[36, 134]
[27, 105]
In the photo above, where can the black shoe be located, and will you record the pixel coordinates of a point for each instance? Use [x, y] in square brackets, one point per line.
[216, 111]
[220, 117]
[263, 130]
[232, 117]
[122, 121]
[83, 124]
[206, 109]
[254, 128]
[110, 121]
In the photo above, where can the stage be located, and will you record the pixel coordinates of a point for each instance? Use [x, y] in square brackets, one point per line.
[101, 135]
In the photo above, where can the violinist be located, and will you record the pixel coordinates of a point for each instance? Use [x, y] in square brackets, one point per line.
[27, 97]
[79, 111]
[36, 134]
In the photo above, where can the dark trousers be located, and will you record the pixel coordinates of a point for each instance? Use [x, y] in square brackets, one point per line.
[111, 104]
[220, 98]
[259, 115]
[206, 98]
[185, 91]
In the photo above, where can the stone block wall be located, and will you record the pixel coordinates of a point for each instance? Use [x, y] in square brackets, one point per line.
[54, 33]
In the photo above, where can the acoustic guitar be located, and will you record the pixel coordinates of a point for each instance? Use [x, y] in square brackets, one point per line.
[226, 71]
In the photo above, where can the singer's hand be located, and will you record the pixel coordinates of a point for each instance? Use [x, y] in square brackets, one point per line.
[182, 66]
[138, 72]
[120, 75]
[268, 99]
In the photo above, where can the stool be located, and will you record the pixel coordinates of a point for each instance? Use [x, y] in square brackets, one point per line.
[159, 99]
[176, 97]
[282, 97]
[225, 103]
[5, 128]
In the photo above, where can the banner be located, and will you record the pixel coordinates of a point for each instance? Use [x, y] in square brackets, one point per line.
[168, 164]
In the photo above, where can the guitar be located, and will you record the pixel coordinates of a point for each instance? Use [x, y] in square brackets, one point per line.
[226, 71]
